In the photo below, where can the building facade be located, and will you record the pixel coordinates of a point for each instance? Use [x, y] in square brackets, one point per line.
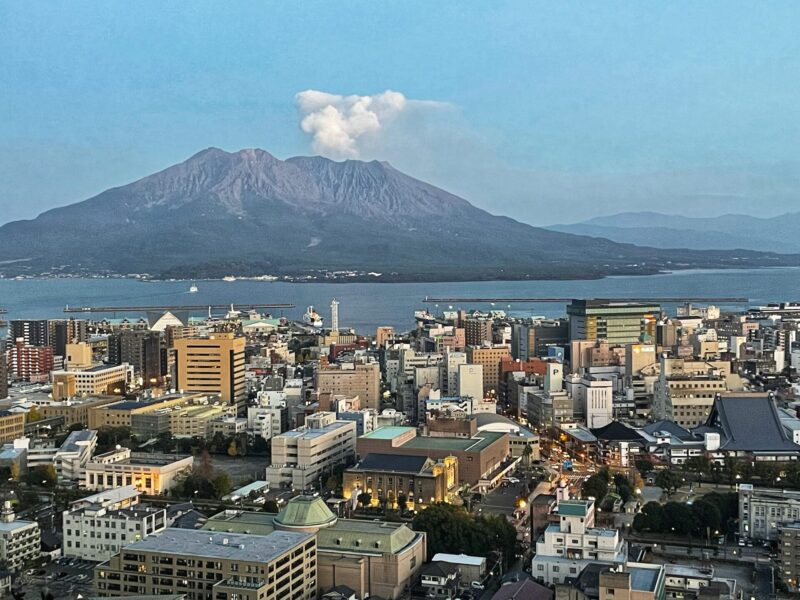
[213, 365]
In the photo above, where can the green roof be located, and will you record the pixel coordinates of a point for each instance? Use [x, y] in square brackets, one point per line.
[305, 511]
[482, 440]
[573, 508]
[387, 433]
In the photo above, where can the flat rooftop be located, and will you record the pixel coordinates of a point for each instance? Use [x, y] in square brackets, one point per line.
[316, 432]
[242, 547]
[387, 433]
[644, 579]
[482, 440]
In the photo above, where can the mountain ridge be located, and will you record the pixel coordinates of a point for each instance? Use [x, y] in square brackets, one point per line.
[248, 213]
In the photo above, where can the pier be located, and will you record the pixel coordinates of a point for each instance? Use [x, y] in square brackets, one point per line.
[174, 308]
[709, 300]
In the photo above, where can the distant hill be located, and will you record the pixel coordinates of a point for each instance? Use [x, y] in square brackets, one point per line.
[249, 213]
[773, 234]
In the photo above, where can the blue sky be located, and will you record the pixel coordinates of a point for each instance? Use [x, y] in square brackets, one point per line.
[548, 111]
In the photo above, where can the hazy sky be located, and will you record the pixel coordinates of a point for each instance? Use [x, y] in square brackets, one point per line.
[544, 111]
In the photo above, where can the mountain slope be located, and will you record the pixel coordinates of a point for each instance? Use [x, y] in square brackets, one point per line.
[775, 234]
[250, 213]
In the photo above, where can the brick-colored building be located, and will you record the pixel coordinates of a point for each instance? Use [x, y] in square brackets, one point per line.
[477, 456]
[12, 425]
[490, 358]
[352, 379]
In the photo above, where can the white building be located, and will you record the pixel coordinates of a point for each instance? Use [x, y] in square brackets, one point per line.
[470, 382]
[302, 455]
[569, 545]
[151, 473]
[97, 527]
[19, 540]
[96, 380]
[592, 399]
[448, 371]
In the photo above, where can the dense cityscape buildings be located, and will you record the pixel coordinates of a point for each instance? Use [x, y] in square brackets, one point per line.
[628, 465]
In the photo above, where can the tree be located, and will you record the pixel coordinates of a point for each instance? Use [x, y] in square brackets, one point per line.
[726, 503]
[365, 499]
[33, 415]
[526, 454]
[697, 464]
[644, 466]
[14, 471]
[596, 486]
[44, 475]
[706, 515]
[232, 449]
[271, 506]
[206, 465]
[678, 518]
[650, 519]
[668, 480]
[222, 483]
[402, 502]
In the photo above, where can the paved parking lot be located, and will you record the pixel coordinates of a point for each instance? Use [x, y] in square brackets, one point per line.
[503, 500]
[66, 579]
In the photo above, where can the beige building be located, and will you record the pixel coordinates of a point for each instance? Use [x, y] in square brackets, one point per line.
[152, 474]
[373, 558]
[301, 455]
[78, 356]
[420, 479]
[490, 358]
[12, 425]
[352, 379]
[103, 379]
[224, 566]
[75, 410]
[121, 414]
[212, 365]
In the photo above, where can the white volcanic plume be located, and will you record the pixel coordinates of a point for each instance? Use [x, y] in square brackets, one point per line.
[342, 125]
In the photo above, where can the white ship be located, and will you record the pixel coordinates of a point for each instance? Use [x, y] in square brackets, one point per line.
[229, 278]
[193, 289]
[312, 318]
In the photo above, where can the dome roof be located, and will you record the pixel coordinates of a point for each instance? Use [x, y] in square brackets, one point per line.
[305, 512]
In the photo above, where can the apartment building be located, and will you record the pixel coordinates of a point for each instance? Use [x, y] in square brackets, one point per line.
[224, 566]
[3, 376]
[103, 379]
[212, 365]
[19, 540]
[352, 379]
[301, 455]
[569, 545]
[30, 363]
[477, 331]
[99, 526]
[489, 357]
[788, 561]
[153, 474]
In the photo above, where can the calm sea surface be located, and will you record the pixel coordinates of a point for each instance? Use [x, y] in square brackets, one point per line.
[365, 306]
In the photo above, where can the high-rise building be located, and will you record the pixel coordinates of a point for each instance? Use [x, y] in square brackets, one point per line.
[3, 375]
[352, 379]
[616, 322]
[61, 332]
[139, 348]
[477, 330]
[490, 358]
[30, 363]
[214, 365]
[33, 332]
[531, 340]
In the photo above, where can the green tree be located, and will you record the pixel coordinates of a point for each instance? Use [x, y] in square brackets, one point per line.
[595, 486]
[33, 415]
[365, 499]
[222, 483]
[697, 464]
[526, 454]
[44, 475]
[643, 465]
[706, 516]
[668, 480]
[402, 502]
[271, 506]
[678, 518]
[727, 504]
[651, 518]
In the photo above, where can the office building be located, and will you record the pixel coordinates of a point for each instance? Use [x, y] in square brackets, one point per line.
[422, 480]
[100, 380]
[532, 340]
[375, 559]
[615, 322]
[352, 379]
[153, 474]
[62, 332]
[19, 540]
[12, 426]
[3, 376]
[97, 527]
[470, 383]
[301, 455]
[212, 365]
[489, 357]
[549, 409]
[77, 356]
[73, 410]
[788, 560]
[222, 566]
[592, 399]
[763, 510]
[124, 412]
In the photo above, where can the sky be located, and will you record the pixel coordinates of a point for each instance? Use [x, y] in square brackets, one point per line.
[548, 112]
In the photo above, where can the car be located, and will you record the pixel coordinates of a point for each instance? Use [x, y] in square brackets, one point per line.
[512, 480]
[476, 585]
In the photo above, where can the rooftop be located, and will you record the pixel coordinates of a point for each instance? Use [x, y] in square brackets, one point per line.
[460, 559]
[233, 546]
[749, 423]
[574, 508]
[643, 579]
[482, 440]
[395, 463]
[387, 433]
[305, 512]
